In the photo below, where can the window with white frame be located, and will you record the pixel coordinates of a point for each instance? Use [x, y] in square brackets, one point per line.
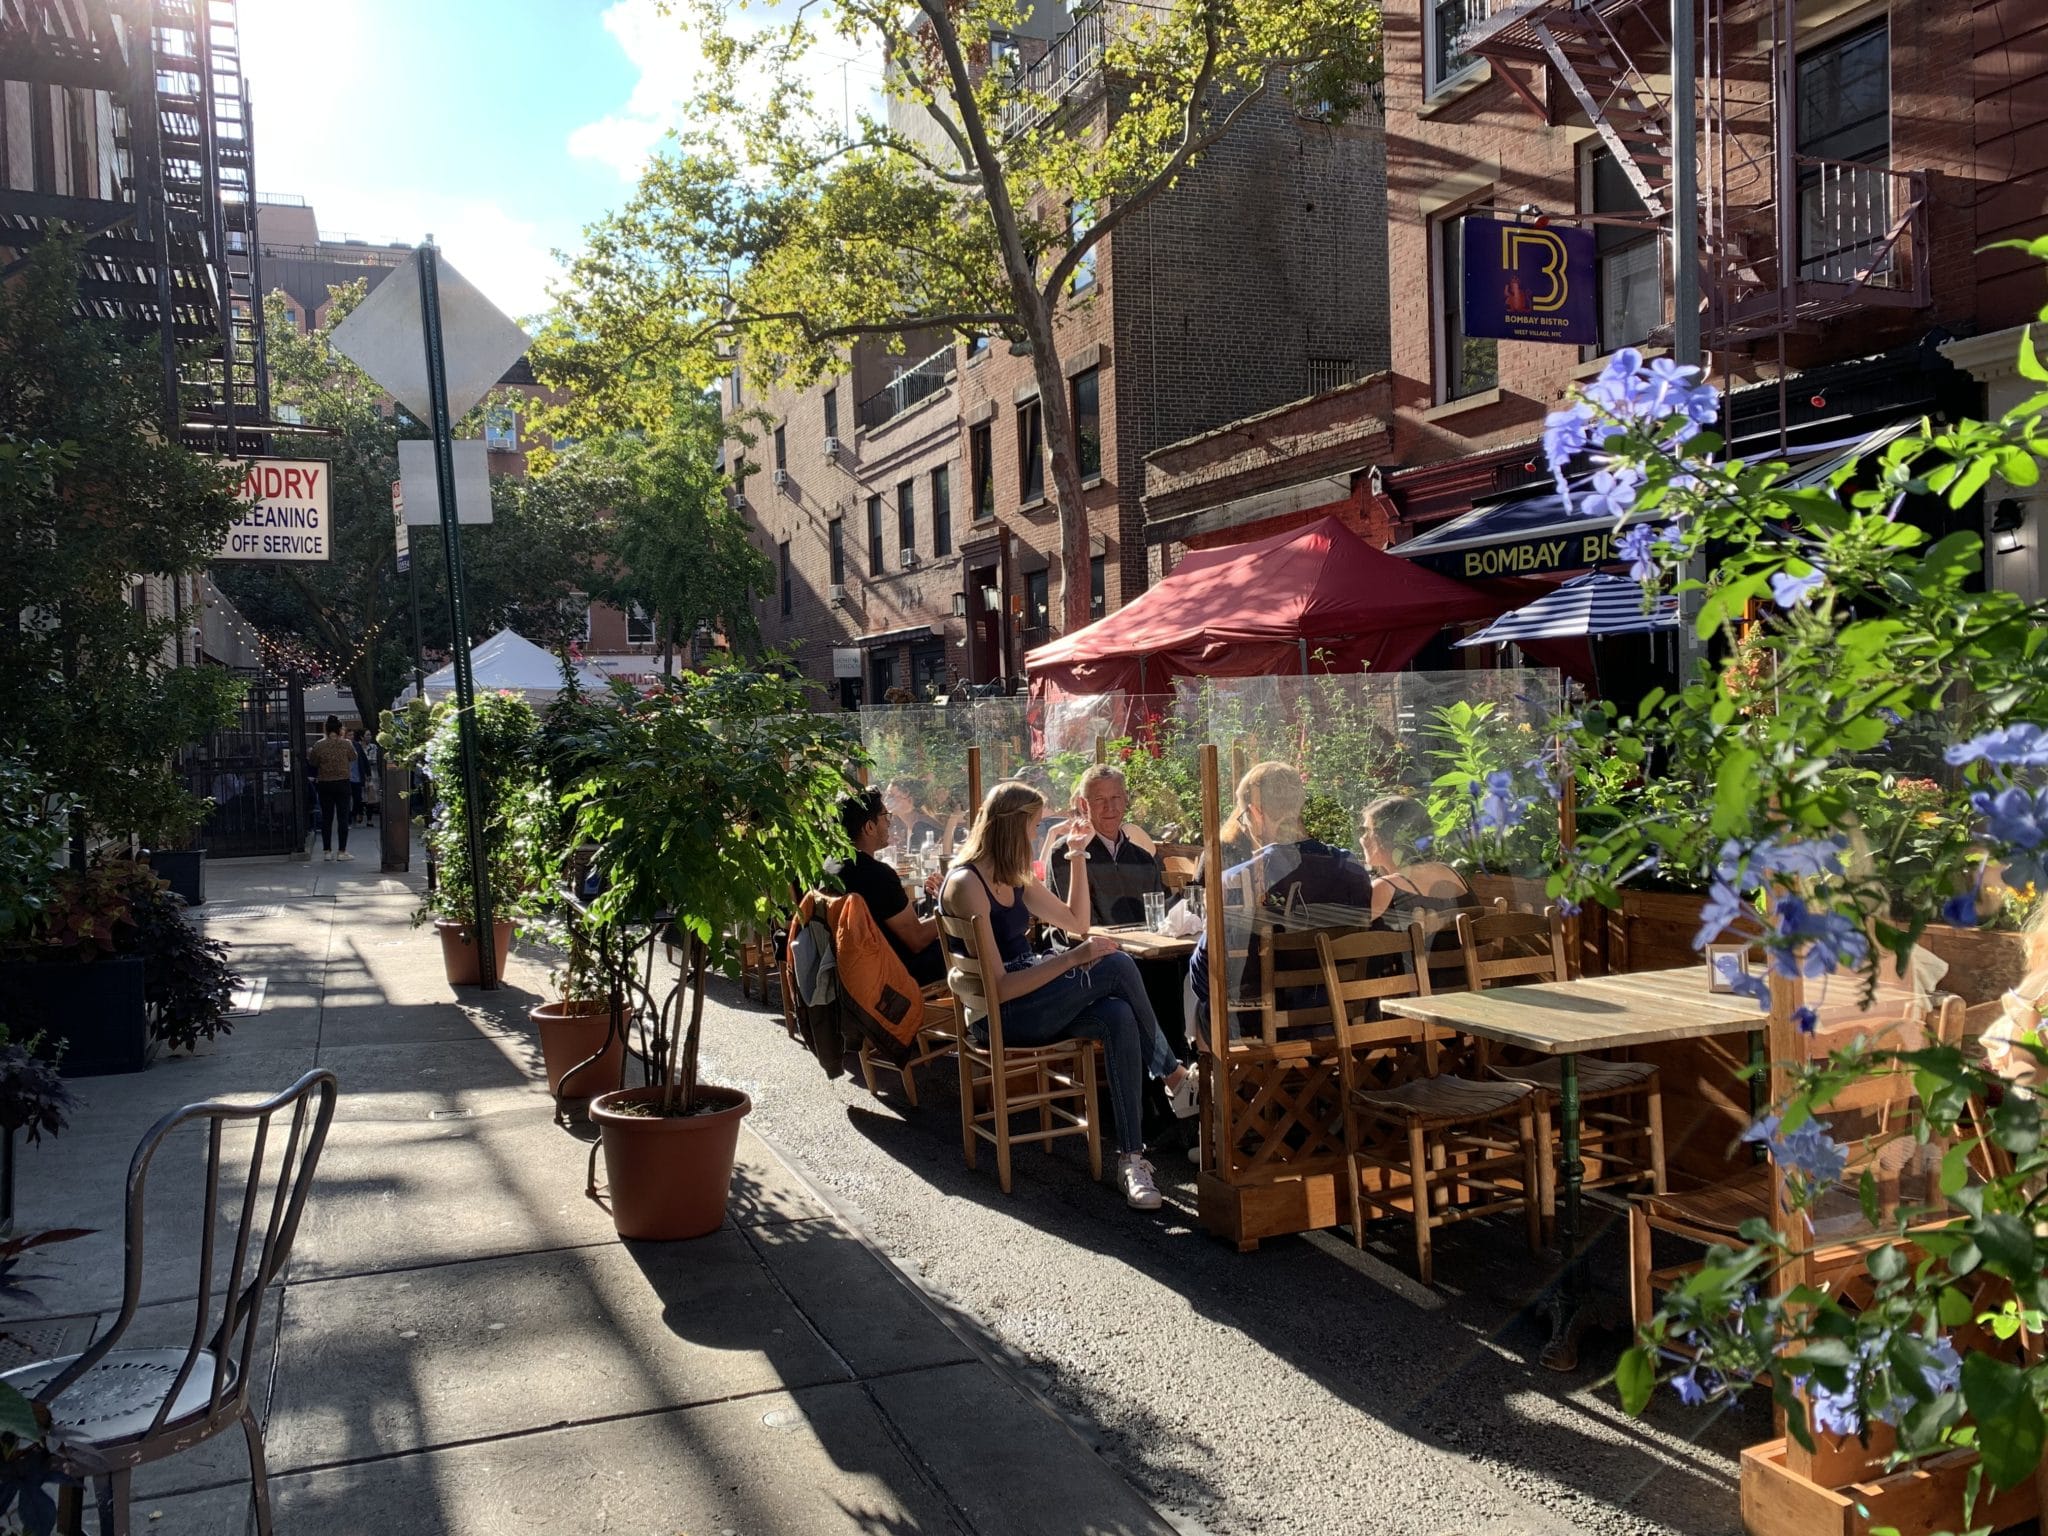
[1630, 265]
[1845, 150]
[639, 626]
[501, 430]
[1447, 22]
[1466, 365]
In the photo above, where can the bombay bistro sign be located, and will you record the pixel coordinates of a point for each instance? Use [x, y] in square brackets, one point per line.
[284, 511]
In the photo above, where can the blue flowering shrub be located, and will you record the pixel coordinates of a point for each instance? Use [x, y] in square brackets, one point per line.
[1836, 629]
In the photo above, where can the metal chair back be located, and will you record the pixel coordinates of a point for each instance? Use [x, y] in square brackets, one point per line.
[226, 1316]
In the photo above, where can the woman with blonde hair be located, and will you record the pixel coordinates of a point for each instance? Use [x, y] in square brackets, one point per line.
[2007, 1039]
[1092, 991]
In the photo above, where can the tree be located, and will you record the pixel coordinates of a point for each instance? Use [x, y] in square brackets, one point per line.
[524, 570]
[93, 497]
[771, 220]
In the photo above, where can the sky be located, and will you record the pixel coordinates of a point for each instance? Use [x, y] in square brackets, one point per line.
[501, 127]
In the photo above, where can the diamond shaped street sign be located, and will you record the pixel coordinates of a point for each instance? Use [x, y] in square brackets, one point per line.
[384, 337]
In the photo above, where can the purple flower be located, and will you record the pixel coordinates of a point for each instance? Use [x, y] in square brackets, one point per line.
[1960, 911]
[1808, 1152]
[1832, 940]
[1614, 492]
[1566, 434]
[1742, 983]
[1806, 1019]
[1638, 546]
[1809, 859]
[1834, 1413]
[1501, 807]
[1723, 907]
[1687, 1386]
[2023, 745]
[1789, 591]
[2013, 816]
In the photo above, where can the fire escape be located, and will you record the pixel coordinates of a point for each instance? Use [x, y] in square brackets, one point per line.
[140, 142]
[1788, 241]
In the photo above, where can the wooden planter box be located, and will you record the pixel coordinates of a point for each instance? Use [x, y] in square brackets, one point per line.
[1981, 964]
[95, 1009]
[1777, 1501]
[185, 869]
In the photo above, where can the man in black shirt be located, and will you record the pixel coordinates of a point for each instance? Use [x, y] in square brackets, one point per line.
[1121, 868]
[915, 939]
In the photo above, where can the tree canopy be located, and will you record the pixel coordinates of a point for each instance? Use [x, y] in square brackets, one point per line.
[968, 203]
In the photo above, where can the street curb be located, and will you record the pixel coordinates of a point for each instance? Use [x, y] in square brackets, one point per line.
[975, 1338]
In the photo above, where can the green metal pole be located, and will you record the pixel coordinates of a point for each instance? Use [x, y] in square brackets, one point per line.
[482, 929]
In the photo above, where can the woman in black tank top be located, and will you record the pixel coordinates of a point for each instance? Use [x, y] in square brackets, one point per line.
[1092, 991]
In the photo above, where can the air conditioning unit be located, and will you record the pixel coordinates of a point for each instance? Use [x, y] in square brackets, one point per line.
[782, 479]
[837, 594]
[907, 559]
[831, 447]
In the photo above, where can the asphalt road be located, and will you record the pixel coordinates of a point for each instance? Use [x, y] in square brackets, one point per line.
[1300, 1390]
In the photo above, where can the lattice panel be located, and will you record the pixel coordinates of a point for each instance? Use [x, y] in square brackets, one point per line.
[1285, 1116]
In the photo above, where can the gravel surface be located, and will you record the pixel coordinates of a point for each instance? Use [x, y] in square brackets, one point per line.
[1299, 1390]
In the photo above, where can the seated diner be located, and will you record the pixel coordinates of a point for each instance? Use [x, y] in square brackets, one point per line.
[1407, 886]
[1091, 991]
[915, 939]
[1122, 869]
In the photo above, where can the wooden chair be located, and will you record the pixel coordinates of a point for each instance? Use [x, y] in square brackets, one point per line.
[1057, 1080]
[1716, 1213]
[1448, 1148]
[1627, 1142]
[935, 1042]
[1175, 871]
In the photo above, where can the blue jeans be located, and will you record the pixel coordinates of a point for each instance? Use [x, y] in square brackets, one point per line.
[1105, 1001]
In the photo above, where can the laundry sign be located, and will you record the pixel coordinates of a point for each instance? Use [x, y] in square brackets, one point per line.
[284, 511]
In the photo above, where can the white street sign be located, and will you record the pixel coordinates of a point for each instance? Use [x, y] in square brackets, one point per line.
[403, 539]
[422, 488]
[384, 337]
[284, 512]
[846, 661]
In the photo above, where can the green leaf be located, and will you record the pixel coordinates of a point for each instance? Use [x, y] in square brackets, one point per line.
[1955, 1167]
[2016, 1124]
[1886, 1264]
[2009, 1427]
[1953, 1306]
[2031, 366]
[2007, 1243]
[1635, 1377]
[18, 1416]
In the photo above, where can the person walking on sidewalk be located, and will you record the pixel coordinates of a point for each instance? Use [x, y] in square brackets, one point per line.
[333, 762]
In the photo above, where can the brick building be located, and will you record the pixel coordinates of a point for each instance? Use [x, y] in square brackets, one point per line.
[1897, 139]
[925, 549]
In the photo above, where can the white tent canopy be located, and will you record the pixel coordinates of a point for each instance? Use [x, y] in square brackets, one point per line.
[511, 663]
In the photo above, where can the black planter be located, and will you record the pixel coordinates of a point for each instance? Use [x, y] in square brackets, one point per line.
[94, 1007]
[185, 868]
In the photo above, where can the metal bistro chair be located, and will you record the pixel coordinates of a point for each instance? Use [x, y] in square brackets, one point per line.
[118, 1409]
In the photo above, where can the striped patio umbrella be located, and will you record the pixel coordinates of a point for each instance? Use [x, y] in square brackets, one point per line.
[1593, 604]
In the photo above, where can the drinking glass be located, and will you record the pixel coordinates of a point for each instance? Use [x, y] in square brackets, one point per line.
[1155, 910]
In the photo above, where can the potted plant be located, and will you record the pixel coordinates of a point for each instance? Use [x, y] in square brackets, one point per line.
[172, 850]
[33, 1101]
[710, 801]
[505, 728]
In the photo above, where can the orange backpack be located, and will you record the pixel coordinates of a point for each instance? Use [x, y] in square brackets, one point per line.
[871, 973]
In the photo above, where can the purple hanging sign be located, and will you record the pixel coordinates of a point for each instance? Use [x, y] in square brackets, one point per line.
[1525, 283]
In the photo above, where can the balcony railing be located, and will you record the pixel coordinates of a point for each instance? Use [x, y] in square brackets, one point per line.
[1067, 63]
[913, 383]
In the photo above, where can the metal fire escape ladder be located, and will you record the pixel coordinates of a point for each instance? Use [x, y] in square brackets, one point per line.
[1632, 119]
[245, 388]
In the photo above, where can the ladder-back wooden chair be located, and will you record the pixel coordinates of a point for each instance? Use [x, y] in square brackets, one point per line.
[1868, 1114]
[935, 1041]
[1439, 1149]
[1057, 1079]
[1622, 1102]
[117, 1409]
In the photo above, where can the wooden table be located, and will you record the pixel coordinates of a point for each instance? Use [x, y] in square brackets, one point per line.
[1141, 943]
[1593, 1013]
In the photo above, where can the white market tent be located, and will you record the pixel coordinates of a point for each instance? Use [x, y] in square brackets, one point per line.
[511, 663]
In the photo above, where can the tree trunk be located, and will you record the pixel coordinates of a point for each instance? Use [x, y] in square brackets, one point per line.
[682, 1080]
[1056, 420]
[370, 700]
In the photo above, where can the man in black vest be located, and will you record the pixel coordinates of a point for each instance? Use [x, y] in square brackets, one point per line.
[1121, 866]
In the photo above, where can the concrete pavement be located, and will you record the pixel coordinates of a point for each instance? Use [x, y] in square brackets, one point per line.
[461, 1344]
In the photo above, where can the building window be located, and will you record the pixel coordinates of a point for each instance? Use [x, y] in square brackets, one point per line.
[501, 430]
[1080, 219]
[788, 587]
[1845, 148]
[981, 467]
[639, 626]
[906, 515]
[942, 511]
[1038, 599]
[875, 563]
[1328, 373]
[1448, 21]
[781, 448]
[832, 413]
[1466, 365]
[1631, 268]
[735, 385]
[836, 541]
[1098, 586]
[978, 347]
[1086, 399]
[1030, 453]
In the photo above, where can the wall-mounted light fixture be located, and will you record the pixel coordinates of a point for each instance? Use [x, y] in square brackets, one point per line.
[991, 599]
[2006, 520]
[959, 605]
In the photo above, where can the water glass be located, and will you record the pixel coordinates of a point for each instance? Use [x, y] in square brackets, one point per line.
[1155, 910]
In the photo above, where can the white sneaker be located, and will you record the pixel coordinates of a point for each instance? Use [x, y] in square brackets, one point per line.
[345, 854]
[1185, 1099]
[1134, 1178]
[327, 857]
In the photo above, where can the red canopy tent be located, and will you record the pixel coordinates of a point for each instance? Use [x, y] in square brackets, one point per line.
[1316, 596]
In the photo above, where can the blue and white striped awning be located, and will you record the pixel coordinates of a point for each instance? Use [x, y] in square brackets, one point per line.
[1593, 604]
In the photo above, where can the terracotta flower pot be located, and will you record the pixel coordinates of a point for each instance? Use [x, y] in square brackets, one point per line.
[669, 1176]
[573, 1032]
[459, 952]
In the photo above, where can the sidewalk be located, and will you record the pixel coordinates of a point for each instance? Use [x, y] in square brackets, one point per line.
[462, 1344]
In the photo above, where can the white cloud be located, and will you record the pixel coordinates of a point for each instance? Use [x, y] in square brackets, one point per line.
[670, 61]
